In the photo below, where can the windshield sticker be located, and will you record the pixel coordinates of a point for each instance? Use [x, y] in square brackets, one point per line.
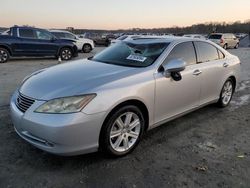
[136, 58]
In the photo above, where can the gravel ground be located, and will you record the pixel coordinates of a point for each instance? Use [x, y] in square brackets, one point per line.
[206, 148]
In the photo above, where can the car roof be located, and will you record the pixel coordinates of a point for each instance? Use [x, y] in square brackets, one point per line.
[161, 39]
[59, 31]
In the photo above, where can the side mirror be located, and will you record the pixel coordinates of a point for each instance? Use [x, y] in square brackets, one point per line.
[173, 69]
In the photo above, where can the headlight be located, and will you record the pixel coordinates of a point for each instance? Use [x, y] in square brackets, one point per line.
[65, 105]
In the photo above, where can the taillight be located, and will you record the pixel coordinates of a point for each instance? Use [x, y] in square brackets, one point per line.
[221, 41]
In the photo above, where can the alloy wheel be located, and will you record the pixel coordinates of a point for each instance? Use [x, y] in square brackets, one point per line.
[3, 56]
[227, 92]
[86, 48]
[125, 132]
[66, 54]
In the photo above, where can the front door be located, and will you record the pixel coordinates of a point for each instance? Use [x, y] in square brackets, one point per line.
[175, 97]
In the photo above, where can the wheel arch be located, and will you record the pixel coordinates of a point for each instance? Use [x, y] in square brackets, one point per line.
[233, 78]
[6, 47]
[86, 43]
[134, 102]
[67, 46]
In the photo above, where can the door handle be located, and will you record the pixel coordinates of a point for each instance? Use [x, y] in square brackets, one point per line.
[225, 65]
[197, 72]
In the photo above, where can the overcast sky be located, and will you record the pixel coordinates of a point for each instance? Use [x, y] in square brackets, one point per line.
[120, 14]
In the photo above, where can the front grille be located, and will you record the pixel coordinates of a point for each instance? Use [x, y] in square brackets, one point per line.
[23, 103]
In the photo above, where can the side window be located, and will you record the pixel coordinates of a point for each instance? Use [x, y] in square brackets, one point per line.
[27, 33]
[59, 35]
[69, 36]
[206, 52]
[43, 35]
[184, 51]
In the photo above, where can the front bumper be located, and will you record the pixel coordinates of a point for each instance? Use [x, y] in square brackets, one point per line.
[61, 134]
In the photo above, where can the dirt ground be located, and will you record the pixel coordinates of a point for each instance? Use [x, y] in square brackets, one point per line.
[207, 148]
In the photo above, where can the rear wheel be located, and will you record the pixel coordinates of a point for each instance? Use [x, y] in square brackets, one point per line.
[86, 48]
[122, 131]
[226, 93]
[66, 53]
[4, 55]
[236, 46]
[225, 46]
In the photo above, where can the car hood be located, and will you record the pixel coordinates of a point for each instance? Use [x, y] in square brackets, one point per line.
[73, 78]
[85, 40]
[65, 40]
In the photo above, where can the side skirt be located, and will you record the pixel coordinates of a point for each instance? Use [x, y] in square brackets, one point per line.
[179, 115]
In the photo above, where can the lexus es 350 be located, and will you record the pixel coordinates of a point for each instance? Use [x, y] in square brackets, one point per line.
[107, 102]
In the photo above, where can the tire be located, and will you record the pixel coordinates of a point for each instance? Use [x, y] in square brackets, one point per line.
[225, 46]
[236, 46]
[226, 93]
[4, 55]
[126, 136]
[66, 53]
[86, 48]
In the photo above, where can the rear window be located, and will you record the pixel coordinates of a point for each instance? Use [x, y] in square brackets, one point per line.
[131, 54]
[221, 55]
[215, 36]
[206, 52]
[27, 33]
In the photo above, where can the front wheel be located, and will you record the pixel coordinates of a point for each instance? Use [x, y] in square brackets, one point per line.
[66, 53]
[4, 55]
[86, 48]
[122, 131]
[226, 93]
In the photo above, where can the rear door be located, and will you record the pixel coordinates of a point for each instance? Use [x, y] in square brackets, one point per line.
[175, 97]
[211, 64]
[24, 46]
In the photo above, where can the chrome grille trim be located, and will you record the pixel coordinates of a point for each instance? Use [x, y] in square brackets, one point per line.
[23, 103]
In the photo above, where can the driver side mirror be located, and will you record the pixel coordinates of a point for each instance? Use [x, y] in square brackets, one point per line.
[173, 69]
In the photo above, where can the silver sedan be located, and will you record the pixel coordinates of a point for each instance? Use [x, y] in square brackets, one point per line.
[108, 101]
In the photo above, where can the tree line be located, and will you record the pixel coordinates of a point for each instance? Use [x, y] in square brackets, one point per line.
[204, 28]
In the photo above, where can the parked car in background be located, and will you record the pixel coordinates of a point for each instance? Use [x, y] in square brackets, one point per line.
[83, 44]
[7, 32]
[240, 35]
[225, 40]
[124, 38]
[107, 102]
[196, 36]
[100, 39]
[34, 42]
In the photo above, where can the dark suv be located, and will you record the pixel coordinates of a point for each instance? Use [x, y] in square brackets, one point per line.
[34, 42]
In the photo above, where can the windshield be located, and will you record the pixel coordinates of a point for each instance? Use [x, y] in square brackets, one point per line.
[215, 36]
[130, 54]
[122, 37]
